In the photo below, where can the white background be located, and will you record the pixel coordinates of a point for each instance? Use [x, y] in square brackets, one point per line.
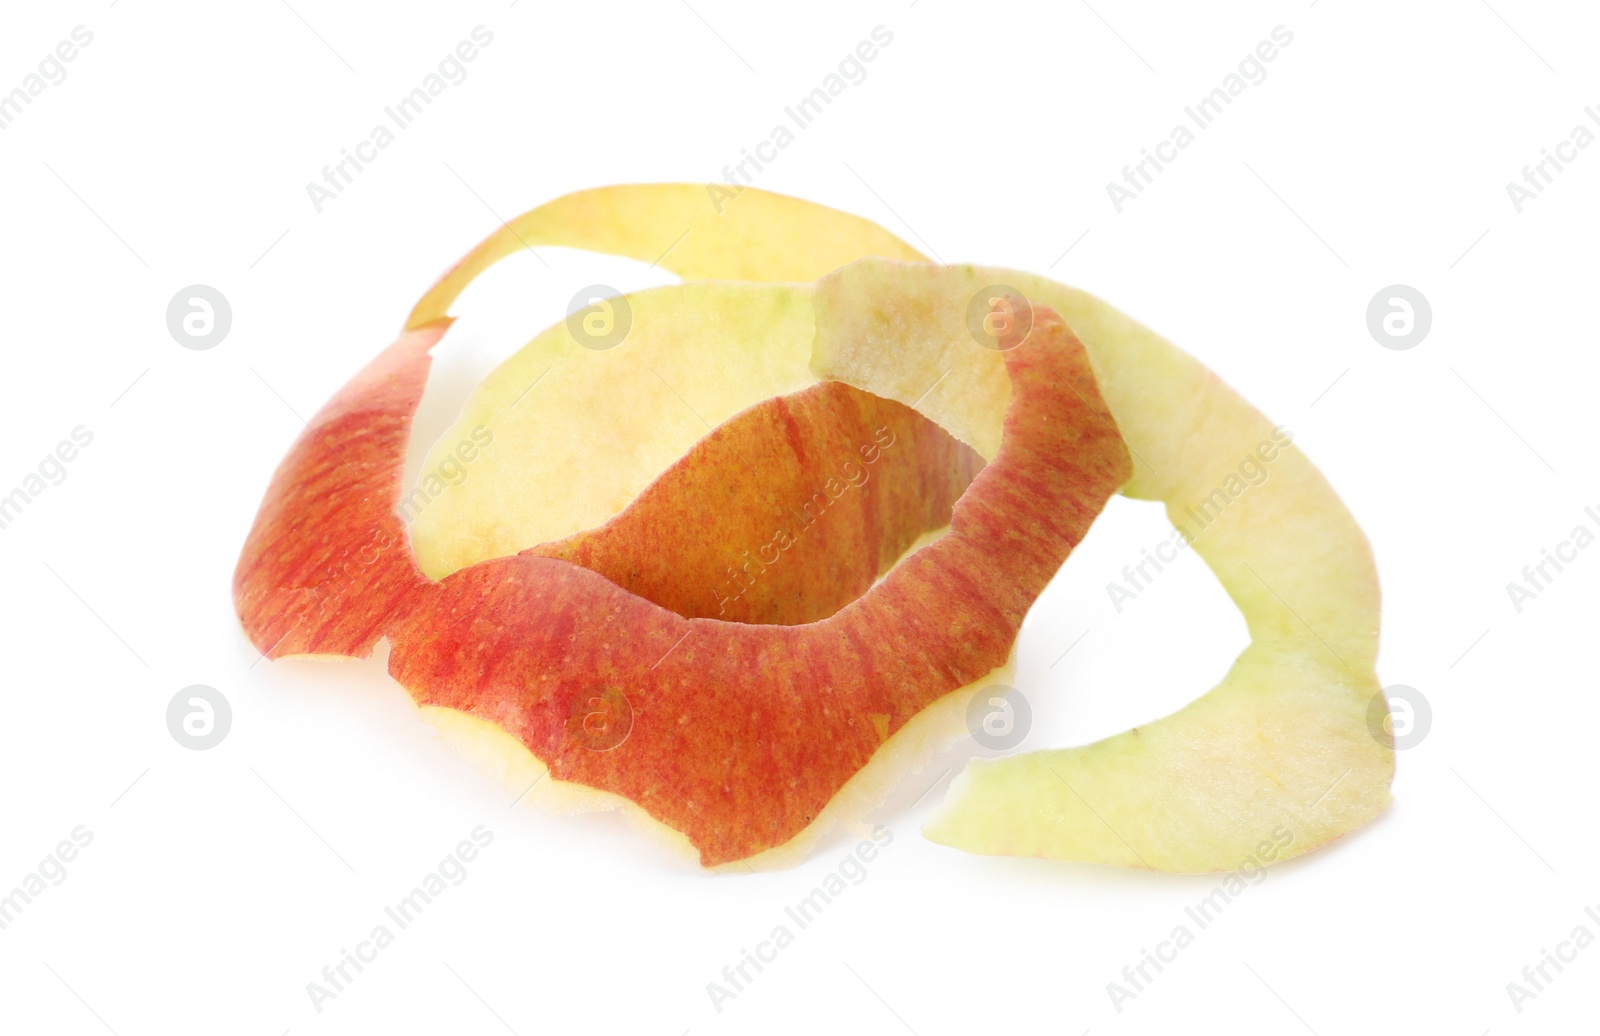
[1377, 151]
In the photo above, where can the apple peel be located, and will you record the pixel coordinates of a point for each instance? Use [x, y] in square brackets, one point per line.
[1283, 740]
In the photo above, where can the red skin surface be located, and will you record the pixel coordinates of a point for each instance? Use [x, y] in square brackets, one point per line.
[327, 566]
[739, 734]
[784, 514]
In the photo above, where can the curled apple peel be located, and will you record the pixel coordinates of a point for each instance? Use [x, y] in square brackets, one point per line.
[1284, 739]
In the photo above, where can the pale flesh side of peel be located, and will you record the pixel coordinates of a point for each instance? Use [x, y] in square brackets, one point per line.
[1187, 431]
[698, 231]
[1283, 741]
[578, 433]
